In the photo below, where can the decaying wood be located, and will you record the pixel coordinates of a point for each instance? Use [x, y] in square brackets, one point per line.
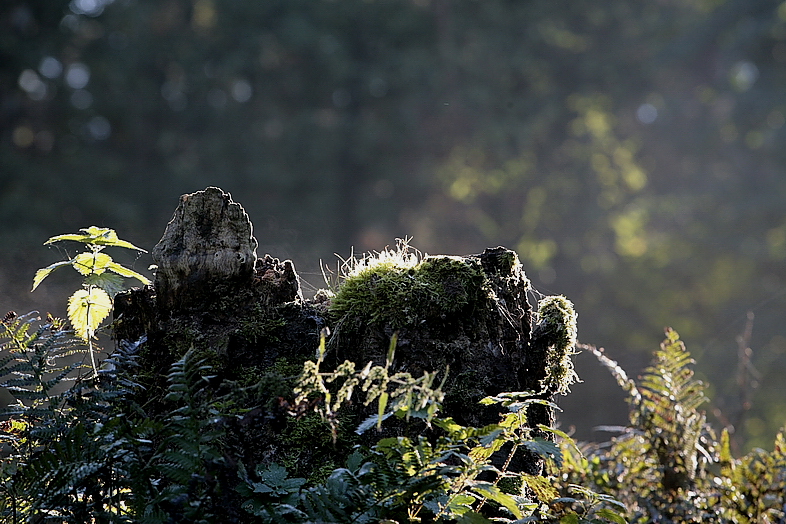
[213, 294]
[207, 248]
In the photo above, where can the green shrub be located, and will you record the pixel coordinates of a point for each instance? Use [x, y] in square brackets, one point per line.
[668, 465]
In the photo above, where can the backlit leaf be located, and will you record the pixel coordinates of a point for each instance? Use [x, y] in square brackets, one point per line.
[383, 403]
[124, 271]
[92, 263]
[541, 486]
[87, 309]
[492, 492]
[42, 273]
[109, 282]
[100, 236]
[611, 516]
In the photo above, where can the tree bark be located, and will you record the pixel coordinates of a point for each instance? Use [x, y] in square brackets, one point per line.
[248, 317]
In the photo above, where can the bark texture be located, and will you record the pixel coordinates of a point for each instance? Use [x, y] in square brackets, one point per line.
[248, 316]
[207, 249]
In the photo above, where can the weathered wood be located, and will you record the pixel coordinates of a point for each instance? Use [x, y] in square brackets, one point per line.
[248, 317]
[207, 249]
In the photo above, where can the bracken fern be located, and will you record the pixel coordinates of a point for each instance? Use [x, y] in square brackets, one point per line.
[668, 466]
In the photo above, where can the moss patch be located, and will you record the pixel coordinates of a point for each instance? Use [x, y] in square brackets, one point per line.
[557, 328]
[401, 290]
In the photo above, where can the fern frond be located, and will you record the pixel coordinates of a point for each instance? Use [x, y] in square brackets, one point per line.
[191, 447]
[665, 452]
[670, 375]
[342, 498]
[15, 331]
[33, 368]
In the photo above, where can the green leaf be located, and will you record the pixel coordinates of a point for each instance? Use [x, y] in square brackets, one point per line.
[449, 425]
[87, 309]
[100, 236]
[489, 439]
[570, 518]
[274, 475]
[354, 461]
[383, 403]
[555, 431]
[74, 237]
[92, 263]
[42, 273]
[124, 271]
[545, 449]
[541, 486]
[461, 504]
[492, 492]
[471, 517]
[109, 282]
[392, 349]
[610, 516]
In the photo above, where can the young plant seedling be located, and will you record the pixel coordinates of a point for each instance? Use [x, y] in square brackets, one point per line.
[103, 279]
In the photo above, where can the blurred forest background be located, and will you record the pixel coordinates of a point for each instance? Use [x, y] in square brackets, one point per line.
[633, 153]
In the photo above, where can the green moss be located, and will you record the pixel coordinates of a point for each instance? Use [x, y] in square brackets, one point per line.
[261, 326]
[289, 367]
[507, 261]
[248, 376]
[398, 288]
[211, 358]
[464, 392]
[513, 485]
[308, 449]
[557, 319]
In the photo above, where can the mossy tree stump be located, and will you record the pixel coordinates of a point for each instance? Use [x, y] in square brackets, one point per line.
[248, 318]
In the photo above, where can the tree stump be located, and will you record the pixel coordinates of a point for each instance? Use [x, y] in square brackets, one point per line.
[248, 317]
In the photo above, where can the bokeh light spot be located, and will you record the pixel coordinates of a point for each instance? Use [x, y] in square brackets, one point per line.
[646, 113]
[743, 75]
[77, 75]
[241, 91]
[50, 67]
[31, 83]
[23, 136]
[99, 128]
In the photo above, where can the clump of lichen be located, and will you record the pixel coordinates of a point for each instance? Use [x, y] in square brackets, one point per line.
[402, 288]
[557, 323]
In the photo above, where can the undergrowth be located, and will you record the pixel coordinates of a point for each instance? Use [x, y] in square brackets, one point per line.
[669, 465]
[91, 454]
[79, 448]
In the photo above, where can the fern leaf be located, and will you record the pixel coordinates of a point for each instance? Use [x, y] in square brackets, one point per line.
[61, 376]
[5, 361]
[19, 367]
[15, 384]
[87, 308]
